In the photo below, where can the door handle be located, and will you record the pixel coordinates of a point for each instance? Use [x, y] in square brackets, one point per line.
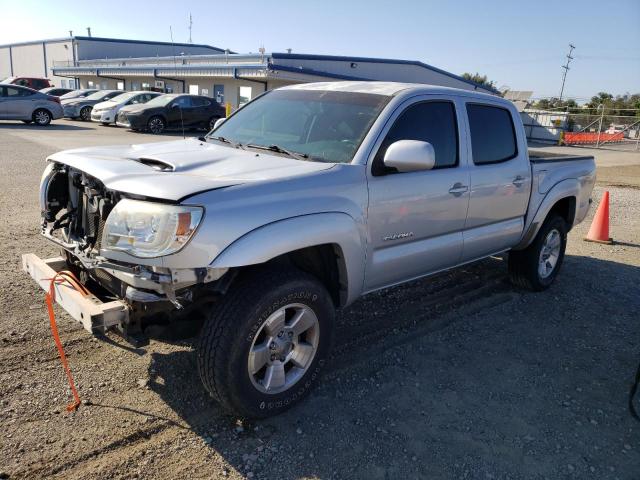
[518, 181]
[458, 189]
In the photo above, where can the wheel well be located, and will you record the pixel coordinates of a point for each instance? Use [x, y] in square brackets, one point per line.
[566, 208]
[326, 263]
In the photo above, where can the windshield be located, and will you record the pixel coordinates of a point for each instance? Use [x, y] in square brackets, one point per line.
[73, 94]
[160, 101]
[327, 126]
[123, 97]
[100, 94]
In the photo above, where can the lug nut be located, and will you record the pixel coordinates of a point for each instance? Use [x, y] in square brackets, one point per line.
[272, 346]
[290, 334]
[273, 357]
[282, 359]
[280, 333]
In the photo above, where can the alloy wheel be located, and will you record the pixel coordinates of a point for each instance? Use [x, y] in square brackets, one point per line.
[283, 348]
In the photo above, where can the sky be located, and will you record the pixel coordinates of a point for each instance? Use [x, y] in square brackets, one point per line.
[520, 45]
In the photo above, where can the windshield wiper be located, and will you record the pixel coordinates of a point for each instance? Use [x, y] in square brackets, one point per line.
[227, 141]
[279, 149]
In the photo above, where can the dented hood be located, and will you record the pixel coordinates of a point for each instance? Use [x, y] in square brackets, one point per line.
[177, 169]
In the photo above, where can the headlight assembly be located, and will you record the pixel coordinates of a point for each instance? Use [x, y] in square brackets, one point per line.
[146, 229]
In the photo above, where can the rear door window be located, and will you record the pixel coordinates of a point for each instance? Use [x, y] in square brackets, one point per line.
[493, 136]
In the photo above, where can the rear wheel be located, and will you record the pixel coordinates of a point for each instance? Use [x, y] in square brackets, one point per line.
[538, 265]
[262, 348]
[85, 114]
[156, 125]
[212, 122]
[41, 117]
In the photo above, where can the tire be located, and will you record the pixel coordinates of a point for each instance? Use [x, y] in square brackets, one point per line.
[246, 320]
[156, 125]
[27, 121]
[41, 117]
[212, 123]
[525, 268]
[85, 114]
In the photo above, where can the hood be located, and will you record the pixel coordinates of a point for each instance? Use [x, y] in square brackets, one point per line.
[109, 104]
[140, 107]
[72, 102]
[178, 169]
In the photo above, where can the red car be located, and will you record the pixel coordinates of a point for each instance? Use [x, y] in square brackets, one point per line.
[31, 82]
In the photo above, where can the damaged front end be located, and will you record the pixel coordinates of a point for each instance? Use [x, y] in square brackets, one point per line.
[103, 232]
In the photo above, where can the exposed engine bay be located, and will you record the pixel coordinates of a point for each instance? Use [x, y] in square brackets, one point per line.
[75, 208]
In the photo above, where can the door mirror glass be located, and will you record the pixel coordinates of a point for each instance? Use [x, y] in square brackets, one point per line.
[219, 122]
[410, 156]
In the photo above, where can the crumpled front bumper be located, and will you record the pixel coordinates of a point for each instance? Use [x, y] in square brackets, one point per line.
[95, 315]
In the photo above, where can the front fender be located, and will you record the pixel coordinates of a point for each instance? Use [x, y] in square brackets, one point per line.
[564, 189]
[284, 236]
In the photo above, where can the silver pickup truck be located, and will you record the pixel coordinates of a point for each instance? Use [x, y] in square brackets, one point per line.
[299, 203]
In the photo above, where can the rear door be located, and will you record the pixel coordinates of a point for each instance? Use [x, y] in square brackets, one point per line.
[500, 179]
[3, 100]
[415, 219]
[19, 103]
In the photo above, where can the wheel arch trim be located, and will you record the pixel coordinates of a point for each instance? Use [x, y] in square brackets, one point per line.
[569, 188]
[288, 235]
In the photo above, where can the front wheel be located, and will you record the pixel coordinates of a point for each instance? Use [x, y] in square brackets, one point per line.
[263, 346]
[85, 114]
[156, 125]
[537, 266]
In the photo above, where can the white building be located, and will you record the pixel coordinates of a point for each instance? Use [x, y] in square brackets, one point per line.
[236, 78]
[39, 58]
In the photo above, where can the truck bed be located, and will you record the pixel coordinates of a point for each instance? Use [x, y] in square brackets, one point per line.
[539, 156]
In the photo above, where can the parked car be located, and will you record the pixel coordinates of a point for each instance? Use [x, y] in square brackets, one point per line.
[81, 107]
[78, 93]
[28, 105]
[55, 91]
[31, 82]
[105, 112]
[172, 111]
[302, 201]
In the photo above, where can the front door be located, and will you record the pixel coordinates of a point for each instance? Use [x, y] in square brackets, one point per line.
[416, 219]
[179, 113]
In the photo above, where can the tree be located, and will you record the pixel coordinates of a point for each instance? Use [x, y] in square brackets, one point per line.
[479, 79]
[555, 103]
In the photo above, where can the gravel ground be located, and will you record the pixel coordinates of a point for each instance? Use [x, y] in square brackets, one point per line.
[457, 376]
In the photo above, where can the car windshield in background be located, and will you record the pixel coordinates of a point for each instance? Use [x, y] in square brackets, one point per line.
[99, 95]
[72, 94]
[160, 101]
[324, 126]
[123, 97]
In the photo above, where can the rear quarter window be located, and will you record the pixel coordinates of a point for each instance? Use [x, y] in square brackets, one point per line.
[493, 136]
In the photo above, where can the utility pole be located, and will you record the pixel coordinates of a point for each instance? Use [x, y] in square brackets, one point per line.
[566, 69]
[190, 26]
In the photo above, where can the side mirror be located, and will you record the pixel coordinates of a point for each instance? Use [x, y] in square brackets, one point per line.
[410, 156]
[219, 122]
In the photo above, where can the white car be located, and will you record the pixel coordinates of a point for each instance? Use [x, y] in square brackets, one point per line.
[105, 112]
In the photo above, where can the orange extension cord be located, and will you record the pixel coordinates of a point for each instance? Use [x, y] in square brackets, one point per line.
[58, 279]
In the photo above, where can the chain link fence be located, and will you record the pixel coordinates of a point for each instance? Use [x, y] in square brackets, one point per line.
[594, 127]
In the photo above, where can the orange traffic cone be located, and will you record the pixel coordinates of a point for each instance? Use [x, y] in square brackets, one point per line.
[599, 231]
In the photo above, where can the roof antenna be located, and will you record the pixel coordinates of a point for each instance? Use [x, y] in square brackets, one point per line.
[175, 67]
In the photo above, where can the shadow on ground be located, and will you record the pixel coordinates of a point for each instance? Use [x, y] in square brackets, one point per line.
[517, 384]
[54, 125]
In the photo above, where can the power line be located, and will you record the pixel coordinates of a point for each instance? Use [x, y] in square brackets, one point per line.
[566, 69]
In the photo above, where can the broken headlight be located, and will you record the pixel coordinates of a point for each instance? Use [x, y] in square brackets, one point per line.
[146, 229]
